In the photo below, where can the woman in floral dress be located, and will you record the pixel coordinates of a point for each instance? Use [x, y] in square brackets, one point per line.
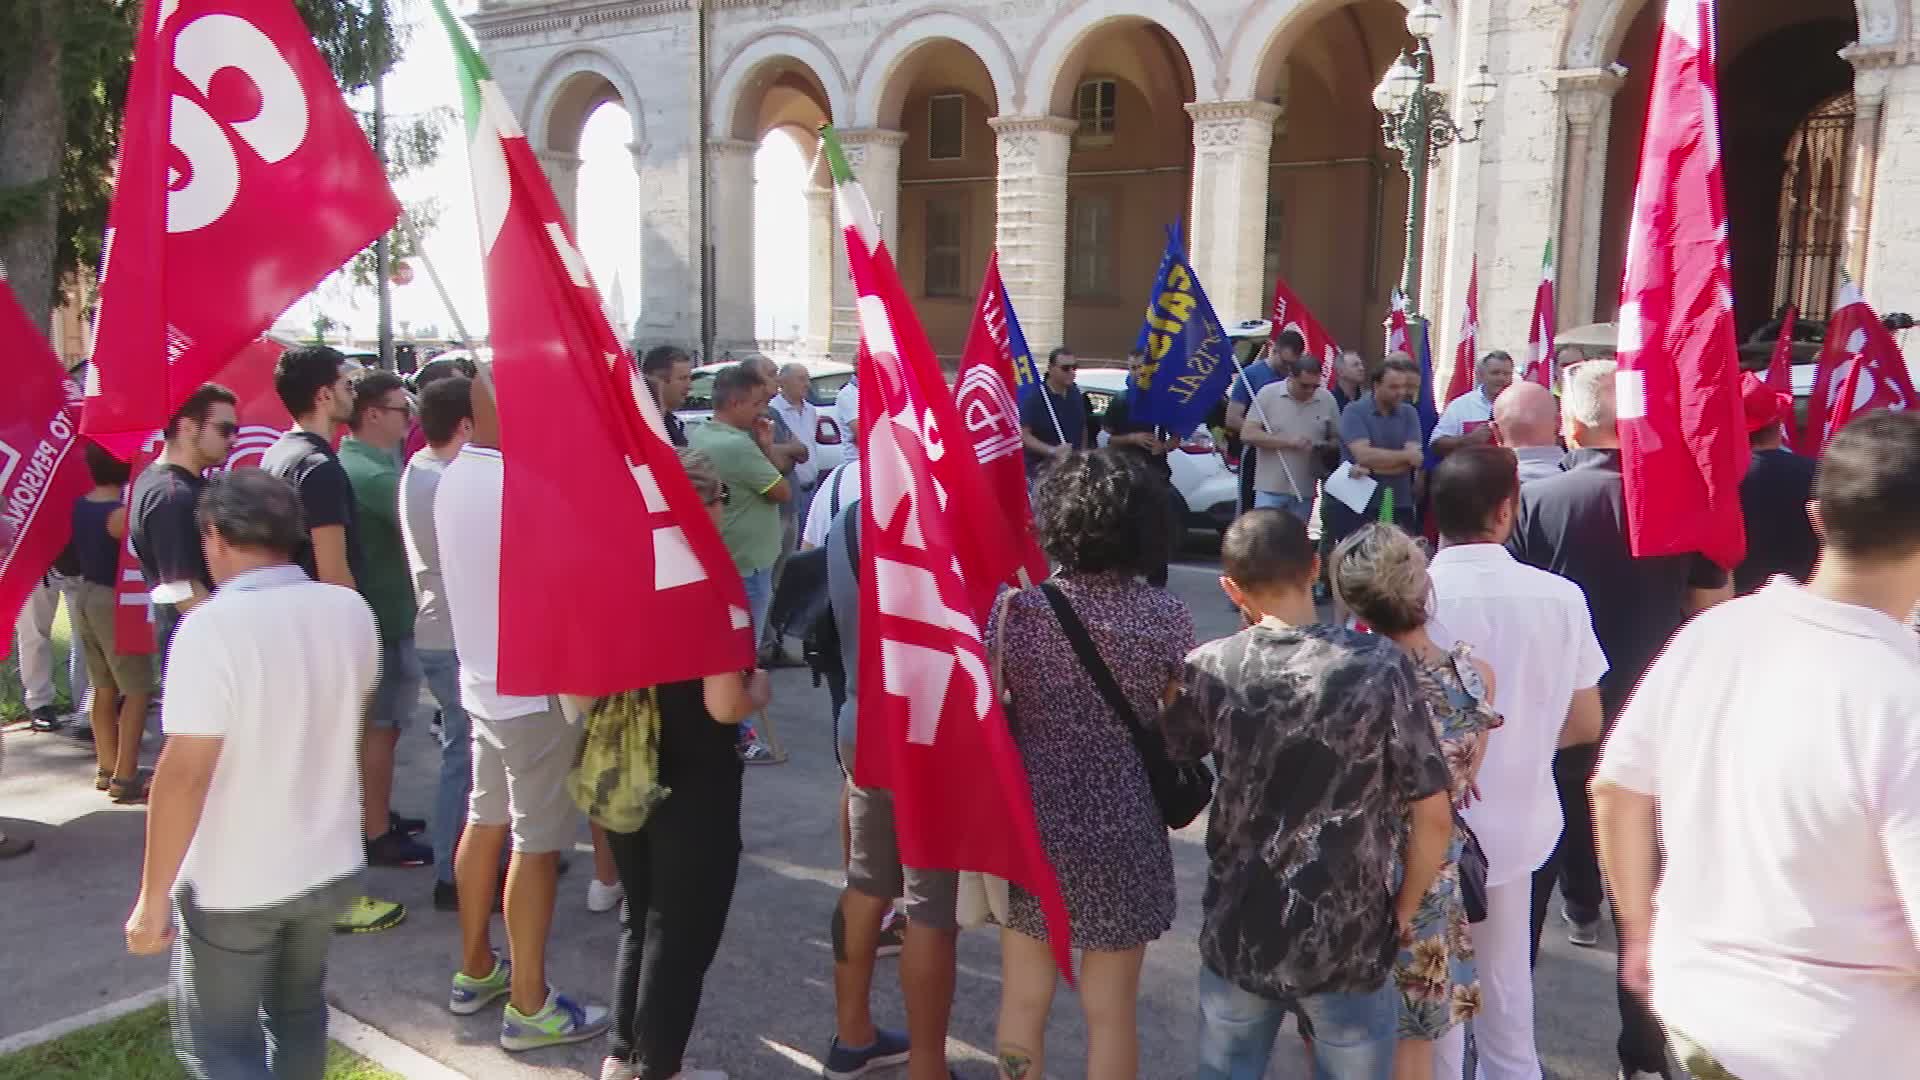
[1381, 574]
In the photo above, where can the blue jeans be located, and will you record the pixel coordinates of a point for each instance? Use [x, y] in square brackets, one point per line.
[441, 667]
[759, 599]
[249, 987]
[1353, 1034]
[1292, 504]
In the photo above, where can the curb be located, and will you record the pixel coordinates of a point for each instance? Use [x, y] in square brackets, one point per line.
[342, 1027]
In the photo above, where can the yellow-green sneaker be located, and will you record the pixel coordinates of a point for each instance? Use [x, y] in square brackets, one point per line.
[365, 915]
[470, 995]
[561, 1020]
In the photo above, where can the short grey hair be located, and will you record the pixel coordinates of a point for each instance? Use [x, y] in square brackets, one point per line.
[794, 368]
[249, 508]
[735, 384]
[1586, 393]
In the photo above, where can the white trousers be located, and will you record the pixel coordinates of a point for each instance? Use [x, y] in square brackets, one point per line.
[1503, 1032]
[33, 635]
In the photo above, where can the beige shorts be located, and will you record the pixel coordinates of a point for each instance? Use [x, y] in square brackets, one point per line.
[94, 618]
[520, 769]
[873, 864]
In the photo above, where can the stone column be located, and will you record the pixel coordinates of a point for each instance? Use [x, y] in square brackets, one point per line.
[730, 195]
[874, 156]
[563, 172]
[823, 240]
[1030, 228]
[1228, 235]
[1872, 74]
[1586, 105]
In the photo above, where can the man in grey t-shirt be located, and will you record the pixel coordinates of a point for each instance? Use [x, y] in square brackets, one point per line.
[1380, 433]
[446, 418]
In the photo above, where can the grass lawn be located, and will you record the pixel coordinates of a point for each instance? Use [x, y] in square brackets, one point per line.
[137, 1047]
[12, 701]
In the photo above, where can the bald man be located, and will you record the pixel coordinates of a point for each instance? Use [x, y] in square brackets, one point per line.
[1527, 418]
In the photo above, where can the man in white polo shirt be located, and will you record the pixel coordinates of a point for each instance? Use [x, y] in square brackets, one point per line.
[1534, 630]
[265, 688]
[1776, 743]
[523, 748]
[1468, 419]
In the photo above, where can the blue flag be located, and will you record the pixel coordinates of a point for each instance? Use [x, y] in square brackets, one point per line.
[1423, 404]
[1187, 350]
[1025, 375]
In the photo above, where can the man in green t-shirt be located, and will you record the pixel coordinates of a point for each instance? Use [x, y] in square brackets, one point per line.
[739, 440]
[382, 413]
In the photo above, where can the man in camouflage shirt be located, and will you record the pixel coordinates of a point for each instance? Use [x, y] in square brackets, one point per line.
[1326, 753]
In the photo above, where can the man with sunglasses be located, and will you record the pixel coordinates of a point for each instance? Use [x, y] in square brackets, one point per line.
[382, 413]
[166, 537]
[1053, 415]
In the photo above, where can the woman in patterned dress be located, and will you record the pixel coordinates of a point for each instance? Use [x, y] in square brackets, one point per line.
[1381, 574]
[1102, 520]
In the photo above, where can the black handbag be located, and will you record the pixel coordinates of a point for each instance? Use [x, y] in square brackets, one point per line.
[1473, 872]
[1180, 789]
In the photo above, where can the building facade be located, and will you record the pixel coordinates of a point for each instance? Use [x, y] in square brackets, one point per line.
[1067, 134]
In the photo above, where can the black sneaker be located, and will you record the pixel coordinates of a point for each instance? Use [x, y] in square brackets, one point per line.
[46, 718]
[406, 826]
[846, 1063]
[394, 848]
[446, 896]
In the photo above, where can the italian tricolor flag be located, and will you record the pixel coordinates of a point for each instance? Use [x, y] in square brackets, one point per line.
[603, 540]
[1540, 334]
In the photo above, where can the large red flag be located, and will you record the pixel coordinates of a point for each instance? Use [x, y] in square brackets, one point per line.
[1289, 313]
[1541, 328]
[594, 494]
[243, 180]
[1466, 351]
[1780, 367]
[1682, 432]
[41, 471]
[983, 397]
[262, 418]
[1861, 369]
[932, 732]
[1398, 340]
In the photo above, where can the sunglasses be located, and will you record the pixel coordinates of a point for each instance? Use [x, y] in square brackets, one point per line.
[406, 409]
[225, 428]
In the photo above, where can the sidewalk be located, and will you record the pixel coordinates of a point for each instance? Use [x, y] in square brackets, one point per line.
[768, 1008]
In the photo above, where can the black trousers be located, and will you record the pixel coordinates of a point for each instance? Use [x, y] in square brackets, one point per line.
[1575, 867]
[679, 874]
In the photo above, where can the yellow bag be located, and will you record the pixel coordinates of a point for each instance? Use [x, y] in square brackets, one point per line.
[616, 775]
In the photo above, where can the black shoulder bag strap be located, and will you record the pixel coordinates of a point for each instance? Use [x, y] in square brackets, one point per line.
[1083, 647]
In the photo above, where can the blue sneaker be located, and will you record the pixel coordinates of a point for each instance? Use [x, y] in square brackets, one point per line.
[889, 1048]
[560, 1021]
[470, 995]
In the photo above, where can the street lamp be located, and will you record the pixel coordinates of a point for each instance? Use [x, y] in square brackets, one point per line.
[1414, 120]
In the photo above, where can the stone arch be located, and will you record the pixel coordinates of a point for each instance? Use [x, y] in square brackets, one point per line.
[878, 88]
[1076, 22]
[1266, 32]
[768, 48]
[1596, 28]
[569, 88]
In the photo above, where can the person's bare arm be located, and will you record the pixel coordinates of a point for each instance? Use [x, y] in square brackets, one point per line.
[1626, 830]
[1033, 443]
[780, 492]
[197, 592]
[1699, 600]
[117, 524]
[1447, 444]
[178, 797]
[732, 696]
[1236, 417]
[1432, 819]
[330, 555]
[1583, 718]
[1377, 461]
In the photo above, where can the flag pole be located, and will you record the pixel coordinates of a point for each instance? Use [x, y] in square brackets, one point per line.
[1253, 405]
[439, 286]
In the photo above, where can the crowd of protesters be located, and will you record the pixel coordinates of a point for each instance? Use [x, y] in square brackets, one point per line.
[1402, 787]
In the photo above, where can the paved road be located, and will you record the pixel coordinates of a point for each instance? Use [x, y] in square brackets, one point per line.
[768, 1005]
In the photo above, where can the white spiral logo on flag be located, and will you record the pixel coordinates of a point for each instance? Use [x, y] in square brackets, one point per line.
[987, 409]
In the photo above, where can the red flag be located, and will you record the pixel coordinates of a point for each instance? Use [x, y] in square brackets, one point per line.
[1464, 353]
[243, 180]
[1861, 369]
[1540, 332]
[1780, 366]
[1289, 313]
[932, 732]
[594, 493]
[41, 470]
[1682, 431]
[262, 418]
[983, 398]
[1397, 339]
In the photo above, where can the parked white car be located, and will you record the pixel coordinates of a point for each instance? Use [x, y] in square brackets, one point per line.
[827, 378]
[1207, 486]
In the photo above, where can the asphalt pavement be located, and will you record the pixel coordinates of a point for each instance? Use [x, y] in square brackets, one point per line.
[768, 1007]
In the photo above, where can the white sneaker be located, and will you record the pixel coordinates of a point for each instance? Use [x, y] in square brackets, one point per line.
[615, 1069]
[604, 897]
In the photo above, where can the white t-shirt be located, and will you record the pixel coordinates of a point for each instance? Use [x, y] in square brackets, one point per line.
[278, 667]
[466, 517]
[846, 410]
[1780, 735]
[1533, 629]
[803, 421]
[841, 487]
[1471, 407]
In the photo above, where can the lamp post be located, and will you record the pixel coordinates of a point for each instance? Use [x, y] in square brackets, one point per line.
[1414, 120]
